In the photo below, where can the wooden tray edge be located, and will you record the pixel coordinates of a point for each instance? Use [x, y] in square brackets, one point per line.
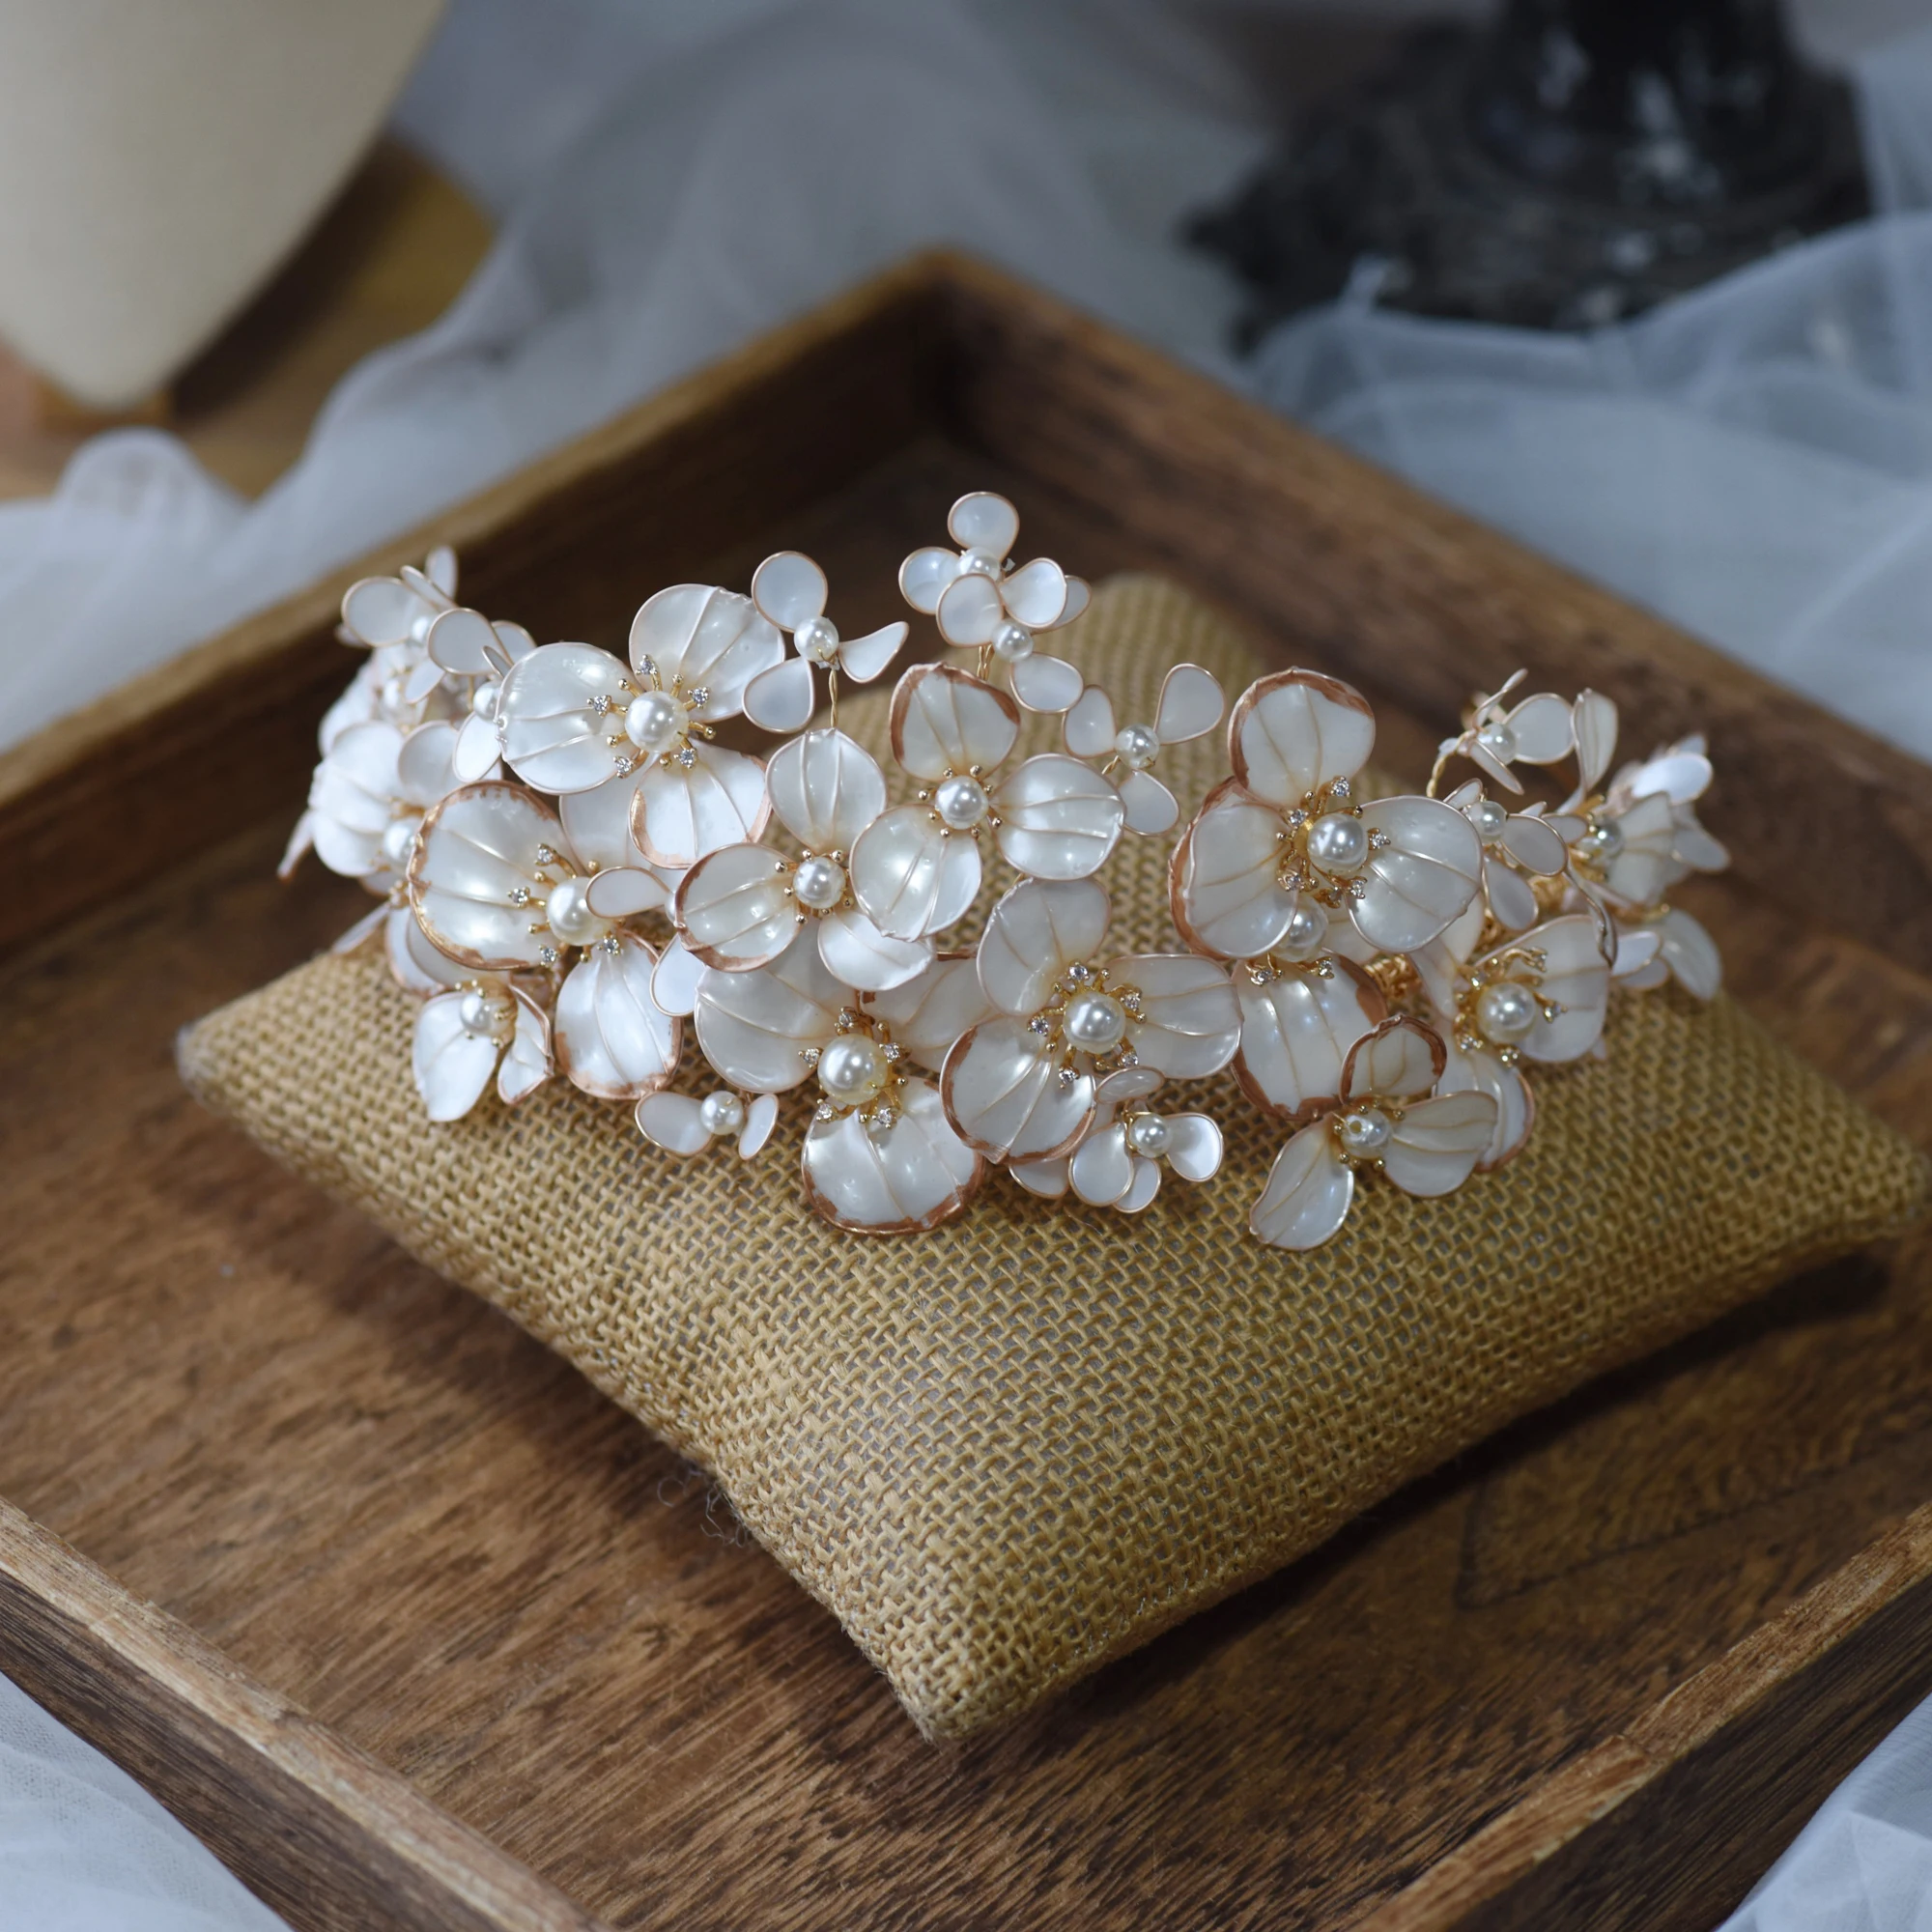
[323, 1832]
[1614, 1839]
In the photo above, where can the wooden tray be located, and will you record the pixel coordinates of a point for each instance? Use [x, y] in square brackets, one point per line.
[1595, 1675]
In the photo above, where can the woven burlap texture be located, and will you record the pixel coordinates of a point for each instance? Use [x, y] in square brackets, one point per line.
[1006, 1451]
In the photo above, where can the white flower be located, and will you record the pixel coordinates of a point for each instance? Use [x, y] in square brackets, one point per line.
[383, 611]
[390, 618]
[979, 598]
[916, 869]
[473, 656]
[1514, 843]
[741, 906]
[1280, 850]
[573, 720]
[501, 883]
[685, 1126]
[880, 1157]
[486, 1026]
[1191, 706]
[1022, 1085]
[789, 592]
[1389, 1116]
[1537, 732]
[1631, 844]
[367, 799]
[1119, 1162]
[1541, 996]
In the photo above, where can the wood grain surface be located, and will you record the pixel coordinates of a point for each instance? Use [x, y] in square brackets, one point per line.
[1592, 1675]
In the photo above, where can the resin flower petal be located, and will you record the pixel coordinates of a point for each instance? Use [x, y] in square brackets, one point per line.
[1308, 1193]
[612, 1037]
[1033, 934]
[1297, 731]
[1296, 1031]
[908, 1177]
[1010, 1096]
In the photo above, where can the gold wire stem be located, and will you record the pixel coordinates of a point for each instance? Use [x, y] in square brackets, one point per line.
[831, 693]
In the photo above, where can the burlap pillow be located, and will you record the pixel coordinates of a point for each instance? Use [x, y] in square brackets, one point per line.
[1006, 1451]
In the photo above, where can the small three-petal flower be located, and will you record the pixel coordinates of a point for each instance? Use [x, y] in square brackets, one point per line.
[1191, 706]
[978, 598]
[789, 592]
[1119, 1160]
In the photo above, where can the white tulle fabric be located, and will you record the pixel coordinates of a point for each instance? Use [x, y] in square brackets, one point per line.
[84, 1849]
[1864, 1861]
[1754, 461]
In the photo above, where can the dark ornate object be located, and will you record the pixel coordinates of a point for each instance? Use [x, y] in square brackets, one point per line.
[1571, 164]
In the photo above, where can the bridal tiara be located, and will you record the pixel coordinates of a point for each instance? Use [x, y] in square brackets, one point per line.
[571, 867]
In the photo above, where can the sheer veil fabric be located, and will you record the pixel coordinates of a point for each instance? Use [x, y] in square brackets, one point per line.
[84, 1849]
[1754, 461]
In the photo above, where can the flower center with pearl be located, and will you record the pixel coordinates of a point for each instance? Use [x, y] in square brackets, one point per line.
[1506, 1012]
[1012, 642]
[722, 1113]
[1601, 843]
[961, 802]
[816, 641]
[1136, 746]
[399, 840]
[568, 915]
[1095, 1022]
[488, 1012]
[1338, 844]
[1148, 1135]
[853, 1070]
[819, 882]
[1364, 1132]
[655, 722]
[1489, 819]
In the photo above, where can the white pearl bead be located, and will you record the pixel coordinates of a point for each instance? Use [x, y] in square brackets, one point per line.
[818, 639]
[399, 840]
[980, 564]
[1012, 642]
[1095, 1022]
[567, 912]
[819, 883]
[488, 1012]
[1307, 928]
[1338, 842]
[1138, 746]
[654, 722]
[1603, 841]
[1489, 818]
[1150, 1135]
[852, 1070]
[960, 803]
[1366, 1131]
[1498, 741]
[1505, 1012]
[483, 699]
[722, 1113]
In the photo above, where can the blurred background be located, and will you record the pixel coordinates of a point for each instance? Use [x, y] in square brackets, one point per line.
[1648, 286]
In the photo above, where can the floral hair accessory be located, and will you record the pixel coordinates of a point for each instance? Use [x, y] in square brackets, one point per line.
[570, 867]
